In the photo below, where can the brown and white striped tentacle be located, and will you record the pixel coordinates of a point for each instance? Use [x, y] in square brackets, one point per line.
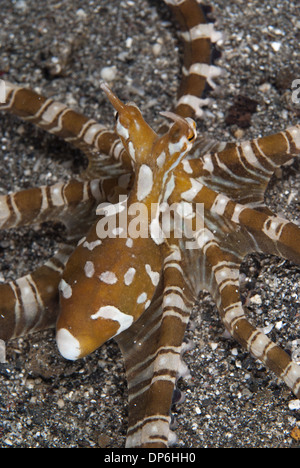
[197, 36]
[154, 362]
[225, 291]
[270, 234]
[258, 231]
[102, 146]
[220, 272]
[265, 232]
[247, 167]
[30, 303]
[252, 229]
[58, 202]
[47, 202]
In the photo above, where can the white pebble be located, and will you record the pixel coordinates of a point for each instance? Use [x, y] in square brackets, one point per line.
[156, 48]
[128, 42]
[294, 404]
[109, 73]
[276, 45]
[60, 403]
[256, 299]
[81, 13]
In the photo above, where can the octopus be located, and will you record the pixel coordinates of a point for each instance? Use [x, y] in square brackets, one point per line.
[212, 345]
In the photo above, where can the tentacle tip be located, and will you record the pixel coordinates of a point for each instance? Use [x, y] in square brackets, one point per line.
[114, 100]
[107, 90]
[104, 86]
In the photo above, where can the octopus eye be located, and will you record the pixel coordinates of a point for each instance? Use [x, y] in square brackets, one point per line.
[116, 115]
[191, 136]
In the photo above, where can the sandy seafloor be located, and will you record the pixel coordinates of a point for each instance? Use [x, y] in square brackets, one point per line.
[231, 399]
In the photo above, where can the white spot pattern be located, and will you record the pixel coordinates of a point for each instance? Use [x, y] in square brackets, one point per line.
[108, 277]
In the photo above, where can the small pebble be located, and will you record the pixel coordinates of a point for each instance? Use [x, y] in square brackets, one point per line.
[294, 404]
[109, 73]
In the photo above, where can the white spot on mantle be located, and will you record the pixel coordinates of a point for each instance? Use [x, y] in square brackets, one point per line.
[145, 182]
[142, 298]
[108, 277]
[113, 313]
[154, 275]
[89, 269]
[129, 275]
[65, 289]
